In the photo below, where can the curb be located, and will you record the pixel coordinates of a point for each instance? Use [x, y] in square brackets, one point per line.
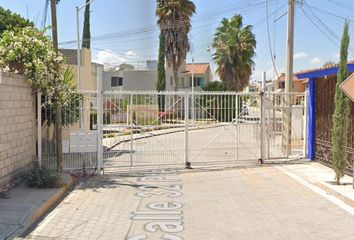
[43, 209]
[338, 195]
[324, 187]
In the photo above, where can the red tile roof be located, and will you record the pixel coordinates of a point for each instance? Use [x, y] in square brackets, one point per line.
[321, 68]
[281, 78]
[199, 68]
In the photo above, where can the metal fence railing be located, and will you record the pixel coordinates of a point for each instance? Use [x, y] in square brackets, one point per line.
[135, 129]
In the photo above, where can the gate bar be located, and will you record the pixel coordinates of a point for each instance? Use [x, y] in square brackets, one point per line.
[39, 128]
[263, 127]
[99, 122]
[186, 133]
[130, 117]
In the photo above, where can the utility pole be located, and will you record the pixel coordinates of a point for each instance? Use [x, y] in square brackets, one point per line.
[53, 7]
[57, 105]
[289, 77]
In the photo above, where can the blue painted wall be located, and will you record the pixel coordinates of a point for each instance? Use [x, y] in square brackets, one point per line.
[312, 119]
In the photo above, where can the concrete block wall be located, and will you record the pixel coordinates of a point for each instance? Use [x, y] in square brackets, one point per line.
[17, 126]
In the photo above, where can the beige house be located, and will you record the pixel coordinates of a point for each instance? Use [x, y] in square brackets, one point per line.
[253, 88]
[202, 76]
[129, 80]
[88, 82]
[297, 85]
[88, 72]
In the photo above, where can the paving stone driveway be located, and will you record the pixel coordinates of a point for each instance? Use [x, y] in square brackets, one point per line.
[246, 203]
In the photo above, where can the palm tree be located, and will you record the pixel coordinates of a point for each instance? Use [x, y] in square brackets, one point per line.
[234, 50]
[174, 19]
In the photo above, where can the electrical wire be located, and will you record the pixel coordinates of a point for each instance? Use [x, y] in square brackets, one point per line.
[152, 28]
[269, 42]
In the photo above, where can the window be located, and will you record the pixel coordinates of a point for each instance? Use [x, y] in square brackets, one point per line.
[201, 82]
[116, 81]
[171, 81]
[198, 81]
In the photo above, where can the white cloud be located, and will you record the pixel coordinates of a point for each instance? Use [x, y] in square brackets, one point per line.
[316, 60]
[131, 53]
[109, 58]
[301, 55]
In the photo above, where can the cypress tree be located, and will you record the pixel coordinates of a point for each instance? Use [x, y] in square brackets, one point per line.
[341, 112]
[161, 71]
[86, 36]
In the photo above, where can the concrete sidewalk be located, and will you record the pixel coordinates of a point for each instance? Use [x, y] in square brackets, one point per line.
[323, 177]
[23, 206]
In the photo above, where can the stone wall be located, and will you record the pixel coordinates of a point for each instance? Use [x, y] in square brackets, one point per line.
[17, 126]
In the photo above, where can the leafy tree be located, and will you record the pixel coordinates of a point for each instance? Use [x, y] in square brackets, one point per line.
[341, 112]
[174, 19]
[86, 37]
[328, 63]
[69, 99]
[161, 71]
[234, 51]
[12, 21]
[29, 52]
[220, 107]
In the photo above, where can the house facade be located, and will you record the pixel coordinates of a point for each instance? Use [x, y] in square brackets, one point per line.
[201, 72]
[129, 80]
[89, 80]
[297, 85]
[88, 69]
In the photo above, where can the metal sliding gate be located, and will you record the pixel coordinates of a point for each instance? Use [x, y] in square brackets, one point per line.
[179, 128]
[128, 129]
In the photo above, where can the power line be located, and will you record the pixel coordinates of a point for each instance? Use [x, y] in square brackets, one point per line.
[269, 43]
[153, 28]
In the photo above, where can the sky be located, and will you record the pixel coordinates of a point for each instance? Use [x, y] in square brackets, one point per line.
[126, 30]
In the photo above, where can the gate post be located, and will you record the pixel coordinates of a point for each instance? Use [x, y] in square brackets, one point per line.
[39, 128]
[305, 124]
[99, 122]
[186, 131]
[131, 122]
[263, 128]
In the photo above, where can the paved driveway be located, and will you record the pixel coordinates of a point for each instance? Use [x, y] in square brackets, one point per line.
[245, 203]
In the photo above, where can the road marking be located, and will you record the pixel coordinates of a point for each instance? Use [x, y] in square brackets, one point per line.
[321, 192]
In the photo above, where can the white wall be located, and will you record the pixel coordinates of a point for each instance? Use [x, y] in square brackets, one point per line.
[132, 80]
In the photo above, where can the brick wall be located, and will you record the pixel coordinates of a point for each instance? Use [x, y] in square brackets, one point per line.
[17, 126]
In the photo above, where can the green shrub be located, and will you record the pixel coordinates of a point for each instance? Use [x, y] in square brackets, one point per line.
[93, 119]
[40, 178]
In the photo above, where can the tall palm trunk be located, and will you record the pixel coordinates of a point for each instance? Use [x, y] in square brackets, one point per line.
[175, 77]
[57, 105]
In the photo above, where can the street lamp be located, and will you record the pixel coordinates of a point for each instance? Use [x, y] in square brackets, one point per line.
[78, 41]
